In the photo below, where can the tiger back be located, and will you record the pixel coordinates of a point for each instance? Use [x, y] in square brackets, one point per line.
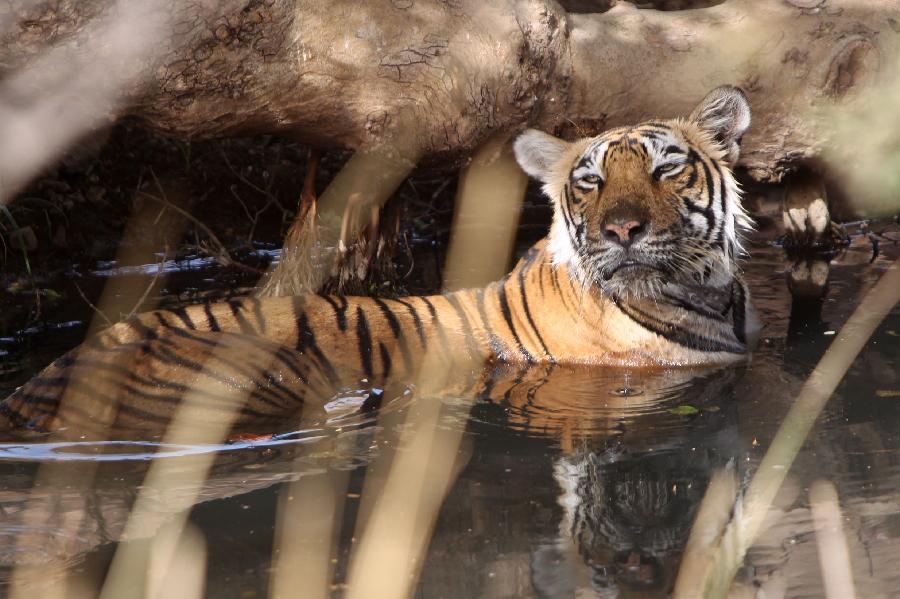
[639, 269]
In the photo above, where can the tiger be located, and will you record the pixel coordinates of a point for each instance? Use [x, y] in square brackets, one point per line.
[640, 269]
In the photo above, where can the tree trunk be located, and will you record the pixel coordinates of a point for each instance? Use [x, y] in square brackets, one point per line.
[437, 77]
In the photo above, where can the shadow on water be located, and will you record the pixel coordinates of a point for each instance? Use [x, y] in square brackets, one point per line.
[576, 482]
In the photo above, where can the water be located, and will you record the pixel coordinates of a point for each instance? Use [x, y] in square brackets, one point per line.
[569, 482]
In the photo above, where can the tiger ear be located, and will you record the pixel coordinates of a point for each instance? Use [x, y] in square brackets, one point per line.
[538, 153]
[725, 114]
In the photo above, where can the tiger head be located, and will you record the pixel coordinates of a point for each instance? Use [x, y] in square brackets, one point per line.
[637, 208]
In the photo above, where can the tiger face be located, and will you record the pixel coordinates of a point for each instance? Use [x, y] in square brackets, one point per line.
[638, 208]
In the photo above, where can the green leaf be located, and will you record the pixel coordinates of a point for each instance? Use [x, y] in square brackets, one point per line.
[684, 410]
[52, 294]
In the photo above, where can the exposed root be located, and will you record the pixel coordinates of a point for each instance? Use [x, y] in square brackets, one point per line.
[318, 246]
[293, 275]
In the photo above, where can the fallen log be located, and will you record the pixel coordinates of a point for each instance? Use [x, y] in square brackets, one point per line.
[407, 80]
[439, 77]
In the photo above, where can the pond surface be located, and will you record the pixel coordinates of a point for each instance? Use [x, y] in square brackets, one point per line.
[570, 482]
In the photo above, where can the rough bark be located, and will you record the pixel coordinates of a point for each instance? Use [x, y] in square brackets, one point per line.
[437, 77]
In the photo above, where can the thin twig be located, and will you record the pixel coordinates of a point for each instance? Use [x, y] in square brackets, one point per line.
[266, 192]
[163, 199]
[96, 310]
[218, 252]
[144, 295]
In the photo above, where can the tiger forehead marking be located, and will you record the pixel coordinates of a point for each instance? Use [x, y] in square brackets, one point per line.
[655, 145]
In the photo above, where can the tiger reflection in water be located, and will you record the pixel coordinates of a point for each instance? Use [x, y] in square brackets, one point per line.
[629, 500]
[618, 503]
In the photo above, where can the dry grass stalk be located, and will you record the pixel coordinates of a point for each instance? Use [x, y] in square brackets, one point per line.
[172, 486]
[115, 299]
[394, 538]
[309, 511]
[711, 519]
[834, 557]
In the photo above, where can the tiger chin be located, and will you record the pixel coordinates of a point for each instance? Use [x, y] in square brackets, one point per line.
[640, 268]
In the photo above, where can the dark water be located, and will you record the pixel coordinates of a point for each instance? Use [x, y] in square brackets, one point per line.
[571, 482]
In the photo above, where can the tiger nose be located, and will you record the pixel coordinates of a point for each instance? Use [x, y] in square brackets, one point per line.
[624, 231]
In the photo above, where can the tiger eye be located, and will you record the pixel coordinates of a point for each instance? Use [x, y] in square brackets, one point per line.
[661, 170]
[588, 183]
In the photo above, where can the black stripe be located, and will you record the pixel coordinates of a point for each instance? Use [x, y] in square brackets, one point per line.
[564, 209]
[14, 418]
[364, 339]
[385, 360]
[257, 311]
[436, 323]
[586, 159]
[676, 334]
[210, 318]
[507, 316]
[692, 177]
[711, 200]
[291, 361]
[490, 379]
[708, 178]
[720, 237]
[739, 311]
[540, 272]
[236, 307]
[710, 190]
[306, 342]
[392, 321]
[178, 333]
[532, 391]
[182, 315]
[339, 305]
[692, 207]
[534, 328]
[467, 328]
[398, 333]
[554, 275]
[701, 310]
[494, 342]
[417, 321]
[520, 376]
